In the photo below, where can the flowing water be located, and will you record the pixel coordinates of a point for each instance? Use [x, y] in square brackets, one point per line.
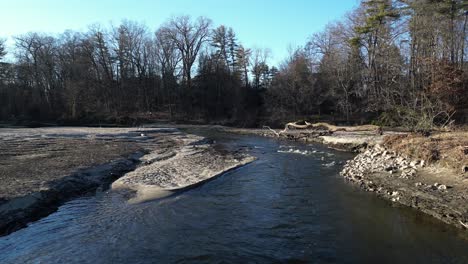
[289, 206]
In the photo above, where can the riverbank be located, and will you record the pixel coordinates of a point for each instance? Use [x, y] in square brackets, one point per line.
[43, 167]
[354, 141]
[427, 173]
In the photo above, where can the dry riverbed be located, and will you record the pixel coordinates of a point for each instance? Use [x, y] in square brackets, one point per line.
[43, 167]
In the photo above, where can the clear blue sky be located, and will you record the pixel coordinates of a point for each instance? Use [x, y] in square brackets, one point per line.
[273, 24]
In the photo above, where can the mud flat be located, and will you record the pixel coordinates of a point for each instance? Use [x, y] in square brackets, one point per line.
[193, 161]
[43, 167]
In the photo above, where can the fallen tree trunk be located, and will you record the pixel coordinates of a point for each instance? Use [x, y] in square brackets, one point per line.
[324, 126]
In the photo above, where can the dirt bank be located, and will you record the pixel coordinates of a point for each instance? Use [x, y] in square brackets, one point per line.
[42, 168]
[432, 189]
[427, 173]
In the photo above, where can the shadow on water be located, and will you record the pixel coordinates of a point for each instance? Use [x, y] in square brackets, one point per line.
[288, 206]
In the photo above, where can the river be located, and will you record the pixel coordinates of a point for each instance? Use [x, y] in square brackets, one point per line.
[289, 206]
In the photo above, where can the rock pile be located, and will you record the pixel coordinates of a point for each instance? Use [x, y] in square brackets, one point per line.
[382, 171]
[378, 159]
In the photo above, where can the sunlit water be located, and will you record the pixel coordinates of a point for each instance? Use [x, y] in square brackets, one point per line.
[289, 206]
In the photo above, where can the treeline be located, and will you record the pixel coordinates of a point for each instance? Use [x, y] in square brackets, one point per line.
[400, 62]
[391, 62]
[102, 74]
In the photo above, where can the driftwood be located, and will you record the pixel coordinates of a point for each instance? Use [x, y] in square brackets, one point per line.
[272, 130]
[463, 224]
[324, 126]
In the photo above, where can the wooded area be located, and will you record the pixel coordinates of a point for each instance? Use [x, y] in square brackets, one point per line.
[390, 62]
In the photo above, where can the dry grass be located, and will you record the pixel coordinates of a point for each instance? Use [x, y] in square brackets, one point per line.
[448, 149]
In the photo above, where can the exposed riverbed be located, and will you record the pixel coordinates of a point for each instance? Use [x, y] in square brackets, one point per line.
[288, 205]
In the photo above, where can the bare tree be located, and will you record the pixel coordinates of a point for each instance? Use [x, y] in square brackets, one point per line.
[259, 66]
[38, 55]
[188, 36]
[101, 53]
[168, 58]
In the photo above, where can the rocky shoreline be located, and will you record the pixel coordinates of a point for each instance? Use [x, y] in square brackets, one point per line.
[431, 189]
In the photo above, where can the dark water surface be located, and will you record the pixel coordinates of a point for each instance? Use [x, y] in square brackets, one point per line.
[285, 207]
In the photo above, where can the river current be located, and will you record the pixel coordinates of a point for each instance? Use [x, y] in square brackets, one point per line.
[289, 206]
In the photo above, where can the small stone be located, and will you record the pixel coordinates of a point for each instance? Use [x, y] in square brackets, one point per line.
[378, 147]
[410, 172]
[442, 187]
[422, 163]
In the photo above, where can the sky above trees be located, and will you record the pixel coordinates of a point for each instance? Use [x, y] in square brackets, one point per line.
[272, 24]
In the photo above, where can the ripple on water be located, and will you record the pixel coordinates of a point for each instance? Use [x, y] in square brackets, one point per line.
[286, 206]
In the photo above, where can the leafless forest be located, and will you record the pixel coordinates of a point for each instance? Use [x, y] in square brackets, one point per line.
[390, 62]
